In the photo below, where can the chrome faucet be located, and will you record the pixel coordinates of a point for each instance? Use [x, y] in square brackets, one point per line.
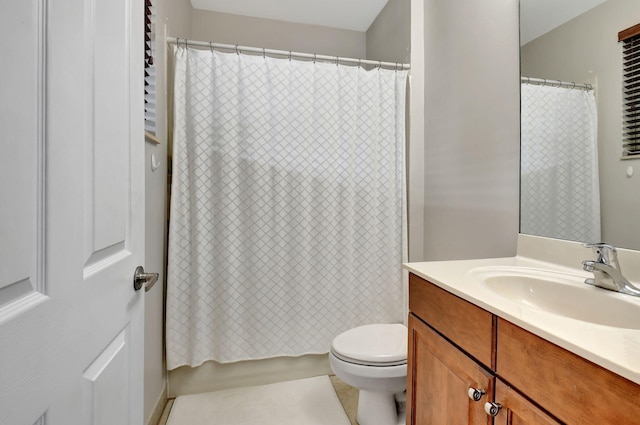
[606, 270]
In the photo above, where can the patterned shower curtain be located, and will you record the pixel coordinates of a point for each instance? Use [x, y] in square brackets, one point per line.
[287, 207]
[560, 195]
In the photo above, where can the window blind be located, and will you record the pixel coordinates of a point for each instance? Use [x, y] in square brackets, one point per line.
[149, 68]
[630, 39]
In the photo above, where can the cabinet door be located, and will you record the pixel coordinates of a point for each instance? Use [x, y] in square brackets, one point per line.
[466, 325]
[439, 379]
[517, 410]
[576, 392]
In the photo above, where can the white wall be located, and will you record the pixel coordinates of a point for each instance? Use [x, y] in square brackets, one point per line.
[271, 34]
[174, 18]
[587, 49]
[471, 128]
[389, 36]
[415, 157]
[389, 39]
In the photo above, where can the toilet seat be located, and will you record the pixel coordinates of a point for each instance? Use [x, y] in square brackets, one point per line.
[373, 345]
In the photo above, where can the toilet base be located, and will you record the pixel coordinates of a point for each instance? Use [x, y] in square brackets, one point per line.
[377, 408]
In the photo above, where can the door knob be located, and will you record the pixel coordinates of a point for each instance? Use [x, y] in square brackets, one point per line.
[475, 394]
[141, 278]
[492, 409]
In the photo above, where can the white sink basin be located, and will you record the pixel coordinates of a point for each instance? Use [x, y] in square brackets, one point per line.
[561, 294]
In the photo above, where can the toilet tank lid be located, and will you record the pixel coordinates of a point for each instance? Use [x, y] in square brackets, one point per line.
[380, 343]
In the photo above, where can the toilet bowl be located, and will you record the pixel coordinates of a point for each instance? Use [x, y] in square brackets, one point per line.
[373, 359]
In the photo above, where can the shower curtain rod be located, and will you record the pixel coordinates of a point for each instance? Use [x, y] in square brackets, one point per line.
[555, 83]
[286, 53]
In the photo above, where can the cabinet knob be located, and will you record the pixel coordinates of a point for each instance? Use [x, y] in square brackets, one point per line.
[475, 394]
[492, 409]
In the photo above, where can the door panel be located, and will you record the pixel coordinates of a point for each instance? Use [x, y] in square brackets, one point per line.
[21, 162]
[110, 142]
[437, 390]
[72, 214]
[103, 375]
[517, 410]
[22, 254]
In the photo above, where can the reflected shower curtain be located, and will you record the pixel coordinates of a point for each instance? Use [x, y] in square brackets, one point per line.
[287, 207]
[560, 194]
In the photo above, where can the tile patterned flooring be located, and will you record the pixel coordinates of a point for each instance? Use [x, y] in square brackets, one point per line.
[347, 395]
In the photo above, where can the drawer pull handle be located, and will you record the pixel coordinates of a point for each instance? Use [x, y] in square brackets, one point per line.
[475, 394]
[492, 409]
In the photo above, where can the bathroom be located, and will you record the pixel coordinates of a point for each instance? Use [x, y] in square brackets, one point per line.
[391, 44]
[463, 189]
[468, 210]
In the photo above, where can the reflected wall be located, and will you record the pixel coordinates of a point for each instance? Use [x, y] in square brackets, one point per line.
[586, 49]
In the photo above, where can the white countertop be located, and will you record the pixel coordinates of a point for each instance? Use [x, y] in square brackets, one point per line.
[615, 349]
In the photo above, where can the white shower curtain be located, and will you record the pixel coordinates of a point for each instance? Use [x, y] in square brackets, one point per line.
[287, 207]
[560, 194]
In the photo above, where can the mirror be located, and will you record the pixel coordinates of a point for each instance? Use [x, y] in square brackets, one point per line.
[576, 41]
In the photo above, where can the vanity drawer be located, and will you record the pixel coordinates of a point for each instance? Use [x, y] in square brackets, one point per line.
[466, 325]
[569, 387]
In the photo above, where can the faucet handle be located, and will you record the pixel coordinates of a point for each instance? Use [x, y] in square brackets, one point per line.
[604, 253]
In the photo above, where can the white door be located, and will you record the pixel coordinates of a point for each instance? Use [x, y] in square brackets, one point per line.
[71, 212]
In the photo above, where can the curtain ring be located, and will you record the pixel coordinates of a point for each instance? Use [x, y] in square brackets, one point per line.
[211, 46]
[359, 62]
[574, 85]
[237, 50]
[314, 58]
[379, 64]
[264, 53]
[289, 55]
[544, 83]
[337, 60]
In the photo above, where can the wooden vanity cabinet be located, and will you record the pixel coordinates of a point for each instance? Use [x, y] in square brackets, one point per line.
[517, 409]
[466, 325]
[440, 373]
[571, 388]
[441, 376]
[455, 345]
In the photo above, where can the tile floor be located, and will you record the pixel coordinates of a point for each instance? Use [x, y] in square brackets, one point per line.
[347, 395]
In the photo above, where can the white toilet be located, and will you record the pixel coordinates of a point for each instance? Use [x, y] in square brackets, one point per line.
[373, 359]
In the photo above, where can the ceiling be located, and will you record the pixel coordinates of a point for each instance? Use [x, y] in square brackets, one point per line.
[538, 17]
[354, 15]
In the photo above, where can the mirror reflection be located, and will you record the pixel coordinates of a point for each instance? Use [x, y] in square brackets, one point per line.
[574, 183]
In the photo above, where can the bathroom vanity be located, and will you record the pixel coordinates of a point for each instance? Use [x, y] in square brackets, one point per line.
[481, 355]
